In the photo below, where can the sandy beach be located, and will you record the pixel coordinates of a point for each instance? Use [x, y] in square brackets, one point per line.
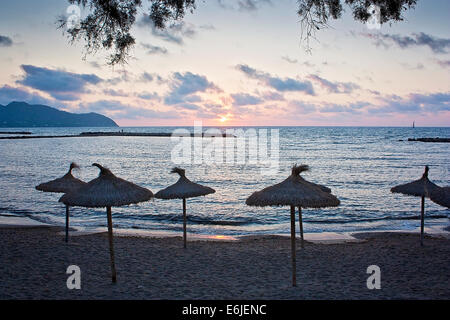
[33, 263]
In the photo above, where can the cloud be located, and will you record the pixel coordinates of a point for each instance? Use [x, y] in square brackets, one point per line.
[119, 110]
[414, 103]
[9, 94]
[306, 108]
[207, 27]
[290, 60]
[5, 41]
[66, 96]
[289, 84]
[272, 96]
[437, 45]
[279, 84]
[214, 108]
[245, 99]
[223, 5]
[185, 84]
[418, 66]
[353, 108]
[188, 106]
[243, 5]
[146, 77]
[95, 64]
[324, 107]
[192, 98]
[247, 5]
[60, 84]
[434, 102]
[151, 49]
[443, 63]
[301, 107]
[173, 33]
[149, 96]
[334, 87]
[394, 108]
[124, 77]
[115, 93]
[149, 77]
[205, 111]
[145, 95]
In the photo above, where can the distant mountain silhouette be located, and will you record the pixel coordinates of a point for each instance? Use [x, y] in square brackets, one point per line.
[21, 114]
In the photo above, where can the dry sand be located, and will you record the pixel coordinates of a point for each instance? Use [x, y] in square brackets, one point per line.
[33, 263]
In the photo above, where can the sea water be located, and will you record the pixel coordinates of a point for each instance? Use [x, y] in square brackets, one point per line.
[359, 164]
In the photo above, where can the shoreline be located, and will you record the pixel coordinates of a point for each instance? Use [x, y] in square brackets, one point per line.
[113, 134]
[14, 222]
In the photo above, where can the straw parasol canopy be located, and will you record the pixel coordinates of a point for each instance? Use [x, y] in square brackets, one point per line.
[66, 183]
[183, 189]
[418, 188]
[107, 191]
[423, 188]
[441, 196]
[294, 192]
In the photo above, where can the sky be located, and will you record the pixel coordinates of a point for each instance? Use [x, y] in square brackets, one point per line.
[236, 63]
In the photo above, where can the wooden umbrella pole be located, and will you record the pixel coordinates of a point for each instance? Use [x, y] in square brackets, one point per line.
[300, 222]
[294, 264]
[111, 246]
[422, 218]
[184, 222]
[67, 223]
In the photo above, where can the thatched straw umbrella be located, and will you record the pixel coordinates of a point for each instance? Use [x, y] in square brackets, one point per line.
[441, 196]
[65, 184]
[418, 188]
[108, 191]
[294, 192]
[183, 189]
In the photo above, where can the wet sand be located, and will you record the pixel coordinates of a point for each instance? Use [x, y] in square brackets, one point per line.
[33, 263]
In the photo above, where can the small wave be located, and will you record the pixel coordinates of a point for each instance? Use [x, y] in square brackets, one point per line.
[16, 212]
[177, 218]
[9, 215]
[389, 218]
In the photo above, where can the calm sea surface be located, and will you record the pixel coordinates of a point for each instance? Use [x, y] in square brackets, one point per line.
[360, 165]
